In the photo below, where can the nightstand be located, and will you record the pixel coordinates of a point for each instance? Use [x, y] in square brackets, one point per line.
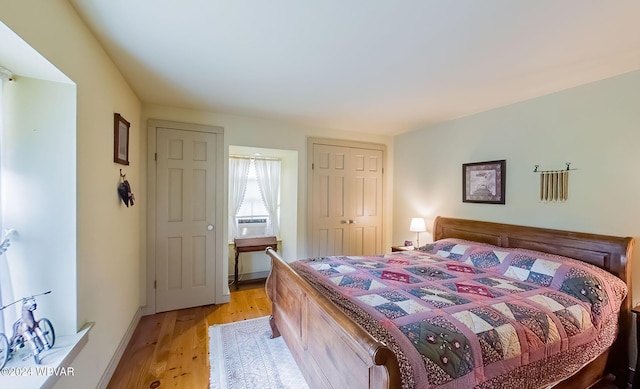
[401, 248]
[636, 375]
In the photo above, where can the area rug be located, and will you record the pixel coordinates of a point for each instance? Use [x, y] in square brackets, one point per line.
[242, 355]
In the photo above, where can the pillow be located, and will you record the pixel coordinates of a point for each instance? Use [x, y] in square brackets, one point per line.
[456, 249]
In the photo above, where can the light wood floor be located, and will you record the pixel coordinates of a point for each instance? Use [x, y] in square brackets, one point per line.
[170, 349]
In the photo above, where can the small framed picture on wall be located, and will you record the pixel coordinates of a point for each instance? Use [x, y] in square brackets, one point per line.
[120, 139]
[484, 182]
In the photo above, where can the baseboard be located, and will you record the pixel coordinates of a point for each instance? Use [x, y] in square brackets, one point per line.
[115, 359]
[250, 276]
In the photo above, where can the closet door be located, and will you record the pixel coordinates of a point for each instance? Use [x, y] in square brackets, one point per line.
[330, 200]
[365, 198]
[346, 200]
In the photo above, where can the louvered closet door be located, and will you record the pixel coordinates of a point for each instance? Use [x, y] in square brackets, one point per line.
[346, 201]
[185, 217]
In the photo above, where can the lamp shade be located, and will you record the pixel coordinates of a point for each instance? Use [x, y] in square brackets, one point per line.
[417, 225]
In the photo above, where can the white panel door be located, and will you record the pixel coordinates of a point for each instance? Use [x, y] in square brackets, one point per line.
[185, 215]
[330, 231]
[346, 201]
[365, 192]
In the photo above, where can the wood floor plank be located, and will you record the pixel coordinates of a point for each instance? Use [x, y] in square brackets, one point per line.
[136, 355]
[171, 349]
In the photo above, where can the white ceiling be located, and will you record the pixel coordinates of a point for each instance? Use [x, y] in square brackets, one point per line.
[382, 66]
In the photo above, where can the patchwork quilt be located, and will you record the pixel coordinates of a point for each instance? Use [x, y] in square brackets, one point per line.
[460, 314]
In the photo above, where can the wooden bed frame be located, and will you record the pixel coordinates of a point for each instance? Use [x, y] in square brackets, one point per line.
[334, 352]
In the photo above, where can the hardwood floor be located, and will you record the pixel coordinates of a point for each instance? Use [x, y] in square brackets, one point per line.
[170, 349]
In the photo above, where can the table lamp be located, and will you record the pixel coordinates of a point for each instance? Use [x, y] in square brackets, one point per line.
[417, 225]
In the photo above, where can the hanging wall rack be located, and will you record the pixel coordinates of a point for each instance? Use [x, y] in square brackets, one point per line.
[554, 184]
[124, 190]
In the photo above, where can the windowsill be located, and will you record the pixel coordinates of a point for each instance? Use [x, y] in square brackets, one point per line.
[277, 239]
[54, 363]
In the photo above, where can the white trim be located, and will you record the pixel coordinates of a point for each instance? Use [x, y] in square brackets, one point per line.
[115, 359]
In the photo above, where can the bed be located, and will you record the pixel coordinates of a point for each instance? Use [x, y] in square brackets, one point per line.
[333, 344]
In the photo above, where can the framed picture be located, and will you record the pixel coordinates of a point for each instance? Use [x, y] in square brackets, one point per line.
[120, 139]
[408, 243]
[484, 182]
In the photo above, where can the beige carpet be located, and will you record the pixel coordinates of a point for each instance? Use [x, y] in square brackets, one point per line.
[243, 356]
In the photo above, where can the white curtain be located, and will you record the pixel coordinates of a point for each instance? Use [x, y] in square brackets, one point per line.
[238, 173]
[268, 174]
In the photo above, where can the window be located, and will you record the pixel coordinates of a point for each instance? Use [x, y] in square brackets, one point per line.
[252, 218]
[254, 196]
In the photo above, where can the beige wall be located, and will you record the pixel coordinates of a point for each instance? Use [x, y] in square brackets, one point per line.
[108, 235]
[594, 126]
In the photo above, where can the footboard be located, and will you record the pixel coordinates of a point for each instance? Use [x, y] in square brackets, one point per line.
[331, 350]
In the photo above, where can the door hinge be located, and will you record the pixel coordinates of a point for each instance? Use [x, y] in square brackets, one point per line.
[154, 284]
[313, 166]
[155, 156]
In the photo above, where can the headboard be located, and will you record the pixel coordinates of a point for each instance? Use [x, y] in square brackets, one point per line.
[608, 252]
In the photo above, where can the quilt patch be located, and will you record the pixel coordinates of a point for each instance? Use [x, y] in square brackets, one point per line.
[396, 276]
[393, 304]
[477, 290]
[574, 317]
[451, 251]
[332, 268]
[364, 264]
[437, 297]
[536, 270]
[585, 287]
[446, 348]
[357, 282]
[473, 289]
[432, 273]
[398, 261]
[505, 284]
[498, 338]
[486, 258]
[535, 322]
[463, 268]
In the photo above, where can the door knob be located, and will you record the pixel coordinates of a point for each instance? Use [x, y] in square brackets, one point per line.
[344, 222]
[210, 227]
